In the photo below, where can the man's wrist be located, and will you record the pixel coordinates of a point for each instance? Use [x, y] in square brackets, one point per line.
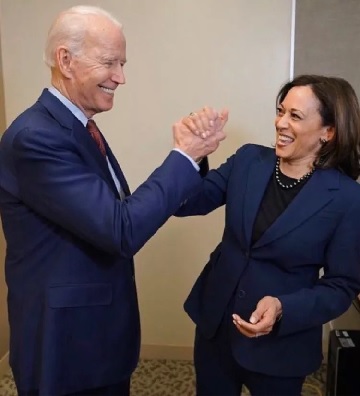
[193, 162]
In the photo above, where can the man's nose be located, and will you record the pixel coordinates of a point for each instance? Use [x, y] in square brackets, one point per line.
[119, 75]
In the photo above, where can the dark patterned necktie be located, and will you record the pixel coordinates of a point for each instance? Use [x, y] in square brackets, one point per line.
[96, 135]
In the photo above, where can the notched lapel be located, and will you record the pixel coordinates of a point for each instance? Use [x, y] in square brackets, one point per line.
[312, 197]
[92, 153]
[258, 179]
[86, 144]
[118, 172]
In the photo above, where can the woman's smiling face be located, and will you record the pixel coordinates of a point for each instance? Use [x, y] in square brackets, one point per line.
[299, 126]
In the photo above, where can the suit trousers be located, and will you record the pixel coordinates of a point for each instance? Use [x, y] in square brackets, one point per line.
[219, 374]
[120, 389]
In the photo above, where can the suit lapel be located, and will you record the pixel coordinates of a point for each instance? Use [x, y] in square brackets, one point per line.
[90, 151]
[312, 197]
[258, 179]
[118, 172]
[86, 144]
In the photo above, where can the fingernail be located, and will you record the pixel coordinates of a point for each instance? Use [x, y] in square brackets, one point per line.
[236, 319]
[211, 123]
[203, 135]
[253, 320]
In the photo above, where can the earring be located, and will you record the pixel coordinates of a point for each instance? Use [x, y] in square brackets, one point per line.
[323, 140]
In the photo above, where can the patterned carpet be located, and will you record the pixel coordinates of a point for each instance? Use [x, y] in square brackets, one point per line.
[173, 378]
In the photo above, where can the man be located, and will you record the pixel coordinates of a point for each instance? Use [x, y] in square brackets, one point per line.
[70, 223]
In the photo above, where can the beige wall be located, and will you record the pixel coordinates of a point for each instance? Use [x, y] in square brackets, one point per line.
[4, 330]
[182, 54]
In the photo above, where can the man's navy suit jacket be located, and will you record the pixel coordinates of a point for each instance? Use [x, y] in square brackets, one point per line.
[72, 300]
[319, 229]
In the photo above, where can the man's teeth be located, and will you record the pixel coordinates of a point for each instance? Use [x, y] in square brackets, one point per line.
[108, 90]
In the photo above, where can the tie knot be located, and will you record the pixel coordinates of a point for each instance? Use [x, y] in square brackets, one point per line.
[91, 124]
[96, 135]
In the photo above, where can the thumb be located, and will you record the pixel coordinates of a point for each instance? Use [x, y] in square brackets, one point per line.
[254, 318]
[220, 135]
[224, 115]
[257, 314]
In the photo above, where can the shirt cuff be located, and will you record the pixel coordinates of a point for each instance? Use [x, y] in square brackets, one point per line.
[194, 164]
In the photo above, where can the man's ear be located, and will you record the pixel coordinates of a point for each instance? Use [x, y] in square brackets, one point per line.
[64, 58]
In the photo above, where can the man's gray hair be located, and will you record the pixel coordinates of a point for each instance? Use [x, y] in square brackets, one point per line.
[69, 29]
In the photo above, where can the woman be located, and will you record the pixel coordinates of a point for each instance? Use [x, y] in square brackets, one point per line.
[259, 304]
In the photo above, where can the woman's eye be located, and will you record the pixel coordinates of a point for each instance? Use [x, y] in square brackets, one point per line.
[295, 116]
[279, 111]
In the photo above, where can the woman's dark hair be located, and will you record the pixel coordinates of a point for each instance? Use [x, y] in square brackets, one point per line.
[339, 108]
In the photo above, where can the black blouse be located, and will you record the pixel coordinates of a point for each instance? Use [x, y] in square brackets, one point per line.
[275, 200]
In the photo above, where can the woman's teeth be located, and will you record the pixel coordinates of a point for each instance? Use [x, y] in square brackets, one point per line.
[285, 139]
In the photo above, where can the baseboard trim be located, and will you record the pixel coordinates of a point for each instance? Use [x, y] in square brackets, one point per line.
[147, 351]
[166, 352]
[4, 364]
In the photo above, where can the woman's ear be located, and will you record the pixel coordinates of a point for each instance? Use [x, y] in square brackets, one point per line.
[329, 133]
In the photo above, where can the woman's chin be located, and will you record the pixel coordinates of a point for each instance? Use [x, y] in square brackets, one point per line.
[283, 151]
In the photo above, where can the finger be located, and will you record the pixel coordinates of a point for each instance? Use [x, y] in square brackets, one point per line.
[202, 123]
[190, 123]
[221, 120]
[259, 327]
[208, 116]
[211, 115]
[244, 332]
[224, 114]
[251, 333]
[207, 124]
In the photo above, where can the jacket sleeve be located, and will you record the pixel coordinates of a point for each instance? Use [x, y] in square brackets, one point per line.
[334, 291]
[57, 184]
[212, 192]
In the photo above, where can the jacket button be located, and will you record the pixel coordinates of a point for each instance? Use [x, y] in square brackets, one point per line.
[241, 294]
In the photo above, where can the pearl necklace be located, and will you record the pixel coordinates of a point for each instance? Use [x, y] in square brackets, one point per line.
[296, 182]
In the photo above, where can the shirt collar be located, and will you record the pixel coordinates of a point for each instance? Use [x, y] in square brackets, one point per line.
[66, 102]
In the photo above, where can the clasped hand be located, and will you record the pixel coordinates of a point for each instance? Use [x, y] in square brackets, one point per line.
[262, 320]
[200, 133]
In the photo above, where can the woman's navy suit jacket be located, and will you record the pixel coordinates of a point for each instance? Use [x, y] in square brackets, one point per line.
[320, 229]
